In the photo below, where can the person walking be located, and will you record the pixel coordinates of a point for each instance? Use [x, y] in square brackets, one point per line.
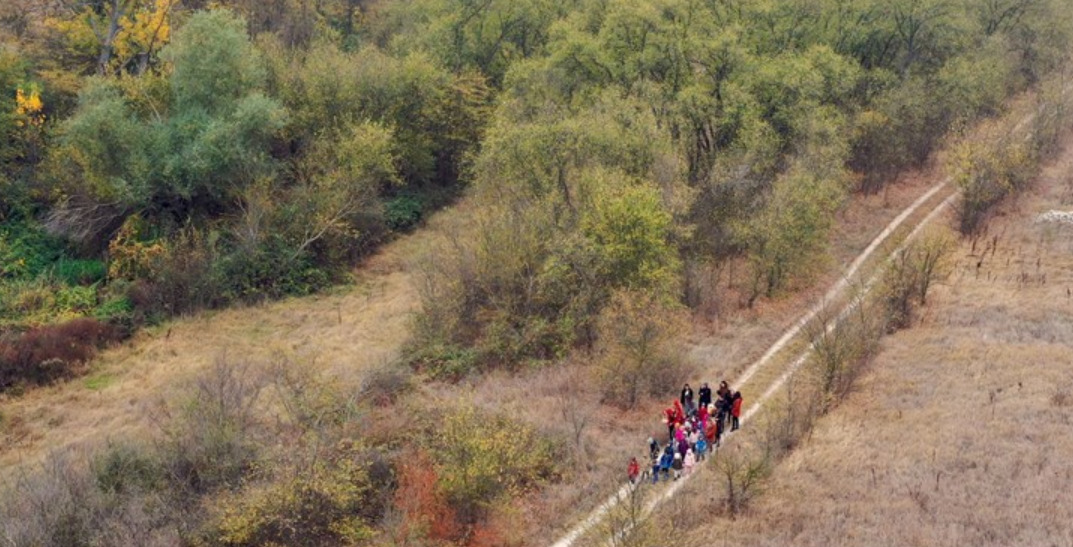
[653, 448]
[702, 448]
[689, 461]
[735, 411]
[687, 400]
[669, 419]
[633, 470]
[704, 395]
[666, 461]
[676, 465]
[655, 468]
[710, 433]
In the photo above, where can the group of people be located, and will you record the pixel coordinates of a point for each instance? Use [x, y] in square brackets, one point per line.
[694, 427]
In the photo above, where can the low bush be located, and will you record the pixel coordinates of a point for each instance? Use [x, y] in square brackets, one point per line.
[44, 354]
[324, 504]
[125, 468]
[385, 385]
[908, 279]
[481, 458]
[403, 212]
[211, 441]
[80, 272]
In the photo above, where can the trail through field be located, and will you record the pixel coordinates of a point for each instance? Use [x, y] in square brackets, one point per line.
[769, 373]
[789, 352]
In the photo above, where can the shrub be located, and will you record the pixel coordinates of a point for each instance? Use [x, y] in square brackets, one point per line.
[323, 505]
[384, 385]
[45, 354]
[482, 458]
[840, 346]
[443, 361]
[211, 443]
[909, 277]
[80, 272]
[403, 212]
[636, 353]
[744, 472]
[423, 510]
[54, 506]
[123, 468]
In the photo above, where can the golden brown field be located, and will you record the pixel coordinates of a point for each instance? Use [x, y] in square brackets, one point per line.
[360, 327]
[961, 430]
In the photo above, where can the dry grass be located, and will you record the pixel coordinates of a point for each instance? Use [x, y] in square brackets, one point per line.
[359, 328]
[345, 332]
[960, 433]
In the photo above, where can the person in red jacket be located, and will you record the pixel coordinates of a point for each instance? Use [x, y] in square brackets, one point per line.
[702, 417]
[679, 414]
[633, 470]
[711, 433]
[735, 411]
[669, 419]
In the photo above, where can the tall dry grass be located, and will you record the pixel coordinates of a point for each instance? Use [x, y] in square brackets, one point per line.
[959, 432]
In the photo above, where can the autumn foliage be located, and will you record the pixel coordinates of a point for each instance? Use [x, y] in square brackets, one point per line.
[46, 353]
[424, 510]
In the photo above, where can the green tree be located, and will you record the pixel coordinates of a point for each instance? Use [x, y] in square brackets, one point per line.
[191, 155]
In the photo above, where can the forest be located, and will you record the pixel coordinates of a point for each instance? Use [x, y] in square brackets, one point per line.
[163, 157]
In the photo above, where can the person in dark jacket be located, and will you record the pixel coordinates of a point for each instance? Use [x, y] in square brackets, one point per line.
[653, 448]
[704, 395]
[687, 400]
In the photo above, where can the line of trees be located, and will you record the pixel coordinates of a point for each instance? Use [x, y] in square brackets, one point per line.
[736, 129]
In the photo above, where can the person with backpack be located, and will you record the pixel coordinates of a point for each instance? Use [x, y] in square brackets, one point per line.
[735, 411]
[633, 470]
[676, 465]
[683, 445]
[666, 461]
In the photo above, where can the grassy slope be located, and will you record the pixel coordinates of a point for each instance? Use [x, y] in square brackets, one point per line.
[961, 433]
[355, 328]
[343, 332]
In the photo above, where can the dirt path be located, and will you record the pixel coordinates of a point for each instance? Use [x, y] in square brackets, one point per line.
[773, 369]
[768, 373]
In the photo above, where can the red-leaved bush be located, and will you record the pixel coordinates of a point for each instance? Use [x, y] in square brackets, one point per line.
[44, 354]
[425, 511]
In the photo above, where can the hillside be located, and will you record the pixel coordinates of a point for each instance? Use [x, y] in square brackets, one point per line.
[427, 273]
[959, 431]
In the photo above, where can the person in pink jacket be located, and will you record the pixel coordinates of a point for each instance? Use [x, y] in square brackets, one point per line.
[689, 461]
